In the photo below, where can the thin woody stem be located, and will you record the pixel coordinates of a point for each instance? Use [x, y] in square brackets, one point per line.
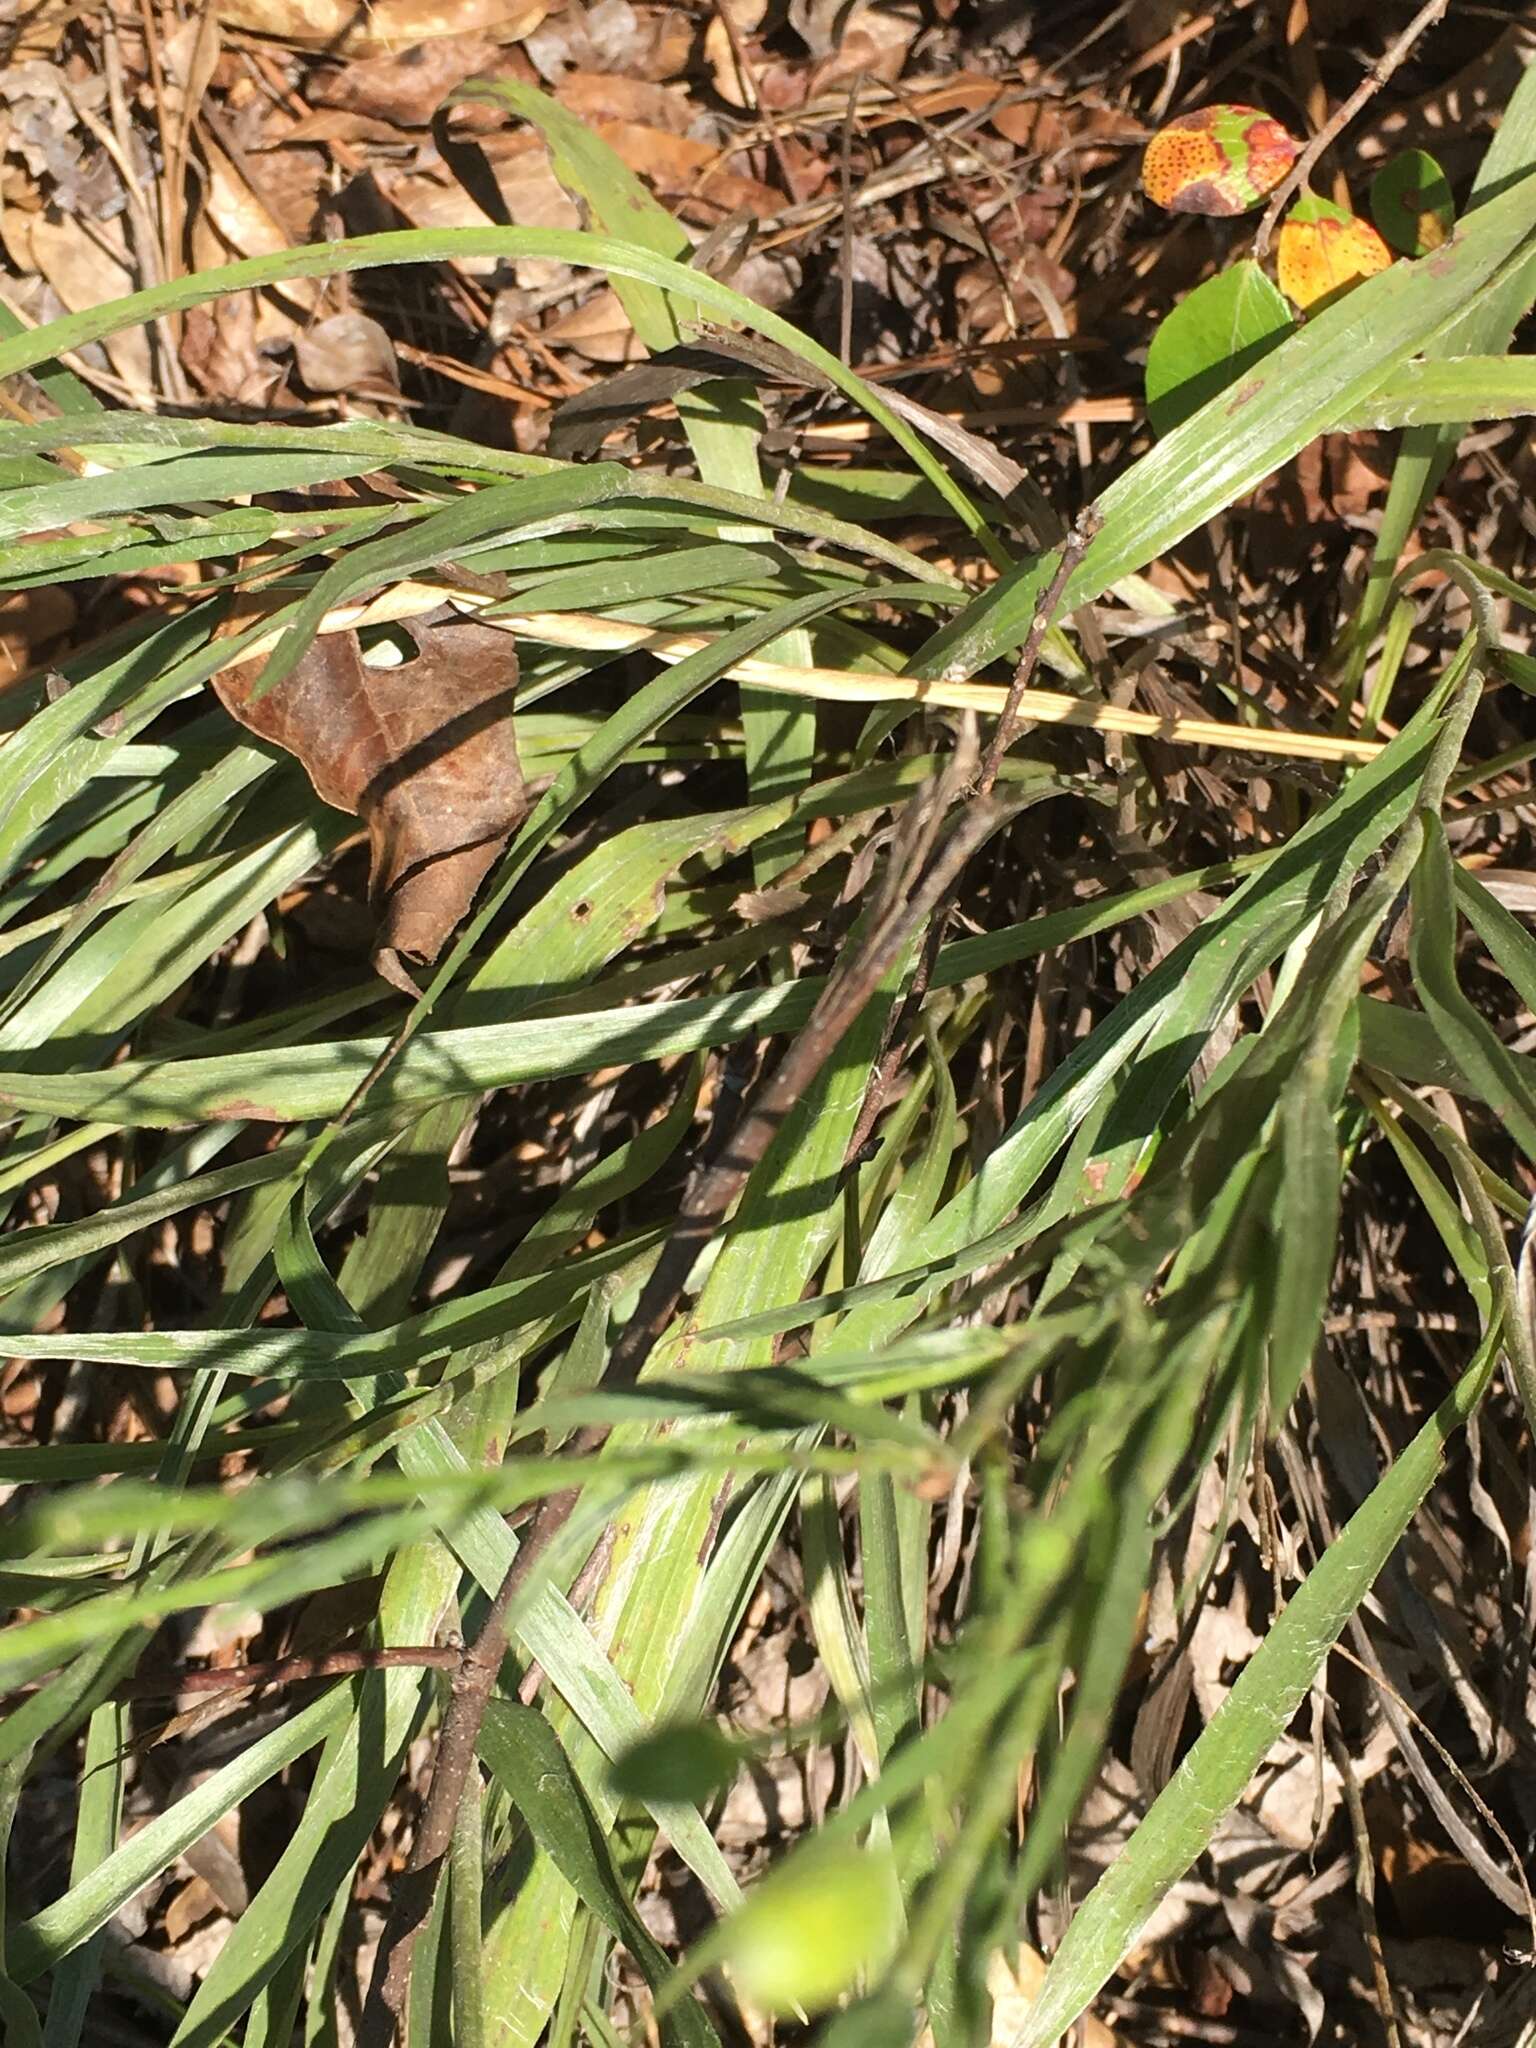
[889, 1063]
[1073, 549]
[293, 1671]
[1340, 119]
[706, 1203]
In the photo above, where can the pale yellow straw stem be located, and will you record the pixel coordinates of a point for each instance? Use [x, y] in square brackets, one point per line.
[594, 634]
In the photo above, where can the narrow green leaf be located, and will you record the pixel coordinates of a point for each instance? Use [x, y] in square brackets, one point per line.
[524, 1752]
[39, 1943]
[1272, 1686]
[1309, 384]
[1485, 1063]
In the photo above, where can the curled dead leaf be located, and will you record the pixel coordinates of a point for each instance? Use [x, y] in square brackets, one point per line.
[425, 753]
[348, 352]
[407, 86]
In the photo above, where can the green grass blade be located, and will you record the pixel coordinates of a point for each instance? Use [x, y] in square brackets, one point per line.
[524, 1752]
[1311, 383]
[1273, 1684]
[59, 1929]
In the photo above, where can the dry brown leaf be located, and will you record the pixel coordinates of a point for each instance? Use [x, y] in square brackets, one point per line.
[189, 57]
[600, 329]
[875, 43]
[343, 29]
[1014, 1982]
[1036, 125]
[86, 267]
[35, 30]
[41, 127]
[720, 48]
[532, 194]
[611, 35]
[682, 167]
[219, 353]
[349, 352]
[597, 96]
[670, 160]
[424, 753]
[29, 619]
[193, 1903]
[406, 86]
[246, 223]
[334, 124]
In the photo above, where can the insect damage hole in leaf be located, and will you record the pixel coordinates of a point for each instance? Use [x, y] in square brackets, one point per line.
[425, 753]
[1210, 339]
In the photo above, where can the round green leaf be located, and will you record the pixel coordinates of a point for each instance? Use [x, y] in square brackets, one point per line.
[1219, 332]
[1312, 206]
[817, 1921]
[688, 1761]
[1411, 203]
[883, 2020]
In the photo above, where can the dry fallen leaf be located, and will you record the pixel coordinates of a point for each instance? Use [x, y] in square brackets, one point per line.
[37, 30]
[246, 223]
[874, 43]
[218, 351]
[597, 96]
[531, 193]
[348, 352]
[719, 48]
[1014, 1982]
[193, 1902]
[599, 329]
[407, 86]
[29, 619]
[41, 127]
[343, 29]
[424, 753]
[86, 267]
[611, 35]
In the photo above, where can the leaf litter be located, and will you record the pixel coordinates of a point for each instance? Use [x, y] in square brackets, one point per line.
[424, 751]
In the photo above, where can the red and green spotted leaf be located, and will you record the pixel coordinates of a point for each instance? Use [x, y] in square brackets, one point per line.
[1321, 258]
[1219, 160]
[1411, 203]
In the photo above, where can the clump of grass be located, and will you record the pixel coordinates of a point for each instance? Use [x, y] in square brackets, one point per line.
[1054, 1308]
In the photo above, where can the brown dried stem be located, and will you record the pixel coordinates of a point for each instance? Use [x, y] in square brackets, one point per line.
[710, 1195]
[1363, 93]
[293, 1671]
[889, 1063]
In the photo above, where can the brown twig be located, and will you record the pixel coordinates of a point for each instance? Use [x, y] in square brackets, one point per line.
[473, 1681]
[292, 1671]
[1365, 91]
[1072, 550]
[710, 1194]
[1365, 1880]
[889, 1064]
[747, 75]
